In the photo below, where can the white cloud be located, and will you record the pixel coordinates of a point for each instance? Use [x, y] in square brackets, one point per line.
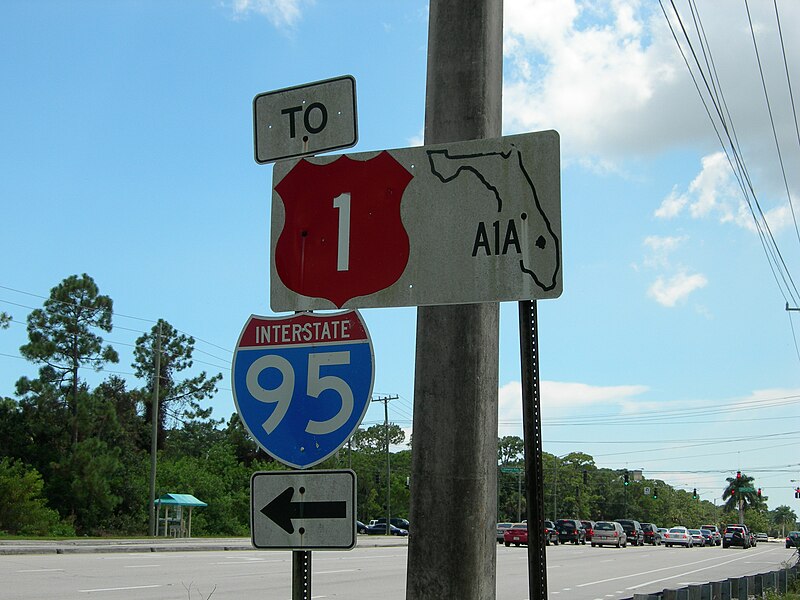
[713, 189]
[557, 395]
[669, 292]
[672, 205]
[598, 72]
[661, 247]
[281, 13]
[608, 75]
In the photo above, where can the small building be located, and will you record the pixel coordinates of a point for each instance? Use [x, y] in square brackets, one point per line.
[175, 522]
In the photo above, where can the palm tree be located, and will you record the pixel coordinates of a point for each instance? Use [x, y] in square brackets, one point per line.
[740, 494]
[783, 515]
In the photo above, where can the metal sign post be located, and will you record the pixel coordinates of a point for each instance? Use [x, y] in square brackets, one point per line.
[532, 433]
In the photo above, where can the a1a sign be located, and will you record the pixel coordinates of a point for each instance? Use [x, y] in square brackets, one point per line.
[476, 221]
[302, 384]
[305, 119]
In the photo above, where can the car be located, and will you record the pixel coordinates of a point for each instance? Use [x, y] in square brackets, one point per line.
[736, 535]
[360, 527]
[793, 539]
[588, 530]
[753, 539]
[550, 533]
[516, 534]
[714, 532]
[708, 537]
[678, 536]
[380, 529]
[633, 530]
[651, 534]
[698, 539]
[662, 531]
[762, 537]
[609, 533]
[570, 530]
[398, 522]
[501, 528]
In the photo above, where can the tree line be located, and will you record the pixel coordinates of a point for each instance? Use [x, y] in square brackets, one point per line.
[575, 487]
[75, 459]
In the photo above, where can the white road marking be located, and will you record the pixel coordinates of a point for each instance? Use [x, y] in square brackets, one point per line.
[118, 589]
[142, 566]
[339, 571]
[643, 573]
[39, 570]
[688, 572]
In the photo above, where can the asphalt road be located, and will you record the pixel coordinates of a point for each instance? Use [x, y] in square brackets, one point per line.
[366, 573]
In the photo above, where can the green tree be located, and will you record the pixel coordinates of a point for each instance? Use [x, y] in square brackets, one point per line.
[510, 450]
[178, 399]
[740, 494]
[62, 337]
[23, 509]
[783, 515]
[373, 439]
[5, 320]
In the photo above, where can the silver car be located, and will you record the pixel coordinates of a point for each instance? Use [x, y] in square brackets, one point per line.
[678, 536]
[609, 533]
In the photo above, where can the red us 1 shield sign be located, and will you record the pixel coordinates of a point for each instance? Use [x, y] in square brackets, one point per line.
[342, 235]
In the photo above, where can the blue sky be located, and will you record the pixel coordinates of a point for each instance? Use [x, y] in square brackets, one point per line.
[126, 137]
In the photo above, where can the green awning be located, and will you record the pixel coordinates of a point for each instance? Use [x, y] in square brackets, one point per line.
[180, 500]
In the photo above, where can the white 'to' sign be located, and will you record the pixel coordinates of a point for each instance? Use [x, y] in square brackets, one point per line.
[307, 119]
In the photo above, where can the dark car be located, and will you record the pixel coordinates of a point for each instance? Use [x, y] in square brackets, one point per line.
[360, 527]
[380, 529]
[633, 530]
[588, 530]
[396, 521]
[550, 533]
[736, 535]
[570, 530]
[793, 539]
[708, 537]
[651, 534]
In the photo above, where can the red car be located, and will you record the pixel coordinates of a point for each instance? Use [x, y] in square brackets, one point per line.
[516, 534]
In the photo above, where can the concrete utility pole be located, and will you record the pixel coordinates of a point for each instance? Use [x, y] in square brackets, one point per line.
[454, 450]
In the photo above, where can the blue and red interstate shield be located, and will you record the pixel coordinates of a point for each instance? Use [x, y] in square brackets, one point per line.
[302, 384]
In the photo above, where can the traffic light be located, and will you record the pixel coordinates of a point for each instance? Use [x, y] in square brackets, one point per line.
[759, 492]
[626, 478]
[797, 492]
[694, 494]
[733, 491]
[738, 476]
[655, 493]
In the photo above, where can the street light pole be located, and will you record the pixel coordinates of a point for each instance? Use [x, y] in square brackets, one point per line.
[385, 401]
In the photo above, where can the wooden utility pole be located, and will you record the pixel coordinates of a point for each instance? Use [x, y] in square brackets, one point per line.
[454, 451]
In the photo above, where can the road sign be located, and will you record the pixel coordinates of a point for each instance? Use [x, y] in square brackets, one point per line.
[306, 119]
[515, 470]
[303, 510]
[476, 221]
[302, 383]
[647, 491]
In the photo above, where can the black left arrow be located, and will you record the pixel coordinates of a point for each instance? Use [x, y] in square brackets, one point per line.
[281, 510]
